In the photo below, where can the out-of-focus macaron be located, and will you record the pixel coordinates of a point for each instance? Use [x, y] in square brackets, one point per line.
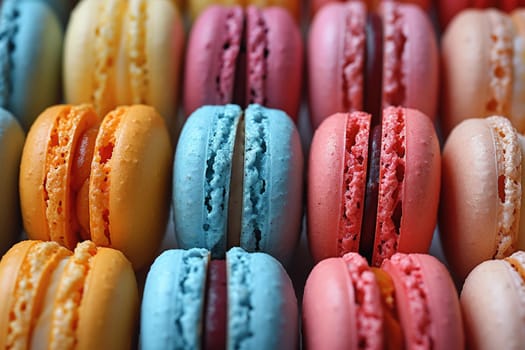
[483, 56]
[57, 299]
[482, 197]
[447, 9]
[373, 189]
[196, 7]
[372, 4]
[11, 143]
[244, 302]
[30, 58]
[238, 181]
[410, 303]
[119, 52]
[108, 181]
[493, 304]
[365, 61]
[243, 57]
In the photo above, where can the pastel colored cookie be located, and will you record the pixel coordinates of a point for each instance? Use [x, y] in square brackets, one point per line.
[493, 304]
[108, 181]
[11, 142]
[238, 181]
[486, 49]
[481, 215]
[30, 58]
[244, 302]
[410, 303]
[372, 4]
[196, 7]
[121, 52]
[58, 299]
[244, 57]
[373, 189]
[365, 61]
[450, 8]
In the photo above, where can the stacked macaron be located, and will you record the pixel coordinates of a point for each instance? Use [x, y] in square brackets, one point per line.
[244, 57]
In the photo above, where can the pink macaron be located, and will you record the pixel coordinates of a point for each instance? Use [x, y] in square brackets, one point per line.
[482, 214]
[244, 56]
[366, 61]
[410, 303]
[373, 189]
[493, 304]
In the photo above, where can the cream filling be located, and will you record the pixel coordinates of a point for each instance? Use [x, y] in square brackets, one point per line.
[508, 160]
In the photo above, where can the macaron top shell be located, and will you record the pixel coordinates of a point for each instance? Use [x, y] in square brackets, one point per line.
[493, 304]
[268, 188]
[11, 144]
[31, 44]
[198, 6]
[482, 193]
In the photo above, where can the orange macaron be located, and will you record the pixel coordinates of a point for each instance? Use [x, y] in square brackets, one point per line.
[51, 296]
[107, 180]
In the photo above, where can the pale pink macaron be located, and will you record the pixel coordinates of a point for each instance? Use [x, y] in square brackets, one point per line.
[483, 67]
[481, 208]
[373, 190]
[493, 304]
[411, 303]
[244, 56]
[359, 60]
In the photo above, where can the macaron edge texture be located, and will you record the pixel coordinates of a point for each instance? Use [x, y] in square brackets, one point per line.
[198, 148]
[272, 186]
[12, 139]
[262, 306]
[173, 300]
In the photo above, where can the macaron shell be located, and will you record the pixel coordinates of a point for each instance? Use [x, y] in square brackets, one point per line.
[109, 308]
[493, 305]
[262, 306]
[35, 59]
[197, 6]
[416, 73]
[207, 59]
[139, 176]
[329, 307]
[282, 74]
[273, 183]
[427, 302]
[173, 301]
[336, 63]
[11, 144]
[518, 75]
[466, 47]
[422, 183]
[204, 136]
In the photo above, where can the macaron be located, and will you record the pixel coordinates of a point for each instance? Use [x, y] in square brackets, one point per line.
[107, 181]
[58, 299]
[483, 55]
[447, 9]
[120, 52]
[196, 7]
[11, 143]
[373, 189]
[244, 302]
[244, 57]
[365, 61]
[482, 197]
[372, 4]
[238, 181]
[410, 303]
[493, 304]
[30, 58]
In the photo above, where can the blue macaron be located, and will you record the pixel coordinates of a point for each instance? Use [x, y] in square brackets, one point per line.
[11, 144]
[261, 307]
[238, 178]
[30, 58]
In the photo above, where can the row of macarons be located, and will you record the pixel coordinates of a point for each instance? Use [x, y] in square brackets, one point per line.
[89, 299]
[118, 53]
[373, 186]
